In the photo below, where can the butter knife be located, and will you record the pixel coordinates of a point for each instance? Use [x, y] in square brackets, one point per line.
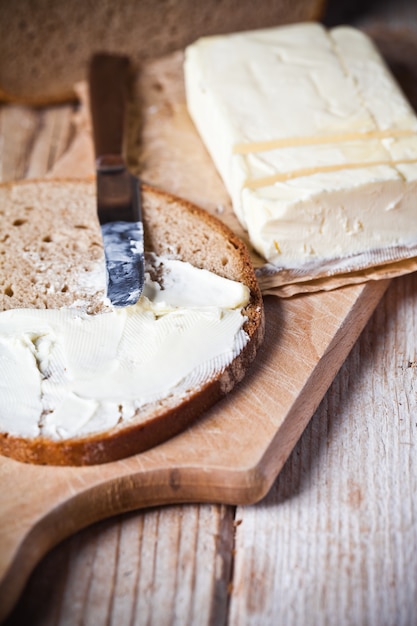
[118, 191]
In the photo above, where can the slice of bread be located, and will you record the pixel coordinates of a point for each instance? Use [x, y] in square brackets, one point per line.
[49, 230]
[46, 45]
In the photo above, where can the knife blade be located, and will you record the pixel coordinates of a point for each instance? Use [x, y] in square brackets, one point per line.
[118, 191]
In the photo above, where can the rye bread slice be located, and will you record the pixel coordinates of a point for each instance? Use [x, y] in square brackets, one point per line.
[56, 220]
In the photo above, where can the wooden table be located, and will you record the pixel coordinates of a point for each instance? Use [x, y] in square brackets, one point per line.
[334, 541]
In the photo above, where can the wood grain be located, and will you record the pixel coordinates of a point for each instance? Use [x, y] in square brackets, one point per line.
[337, 533]
[132, 559]
[32, 140]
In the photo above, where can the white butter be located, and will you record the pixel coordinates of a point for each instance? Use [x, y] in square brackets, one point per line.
[315, 143]
[64, 373]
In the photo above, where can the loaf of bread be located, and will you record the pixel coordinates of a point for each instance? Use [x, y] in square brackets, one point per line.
[45, 45]
[50, 257]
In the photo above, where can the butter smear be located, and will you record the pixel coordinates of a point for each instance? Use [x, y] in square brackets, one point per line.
[66, 374]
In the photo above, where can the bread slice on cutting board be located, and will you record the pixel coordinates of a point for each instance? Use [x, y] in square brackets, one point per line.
[51, 255]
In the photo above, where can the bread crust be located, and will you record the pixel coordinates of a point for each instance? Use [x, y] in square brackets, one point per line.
[163, 213]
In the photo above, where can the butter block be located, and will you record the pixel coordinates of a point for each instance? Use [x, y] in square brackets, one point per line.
[313, 138]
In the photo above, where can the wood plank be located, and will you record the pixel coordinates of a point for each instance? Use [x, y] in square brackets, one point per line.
[335, 540]
[166, 566]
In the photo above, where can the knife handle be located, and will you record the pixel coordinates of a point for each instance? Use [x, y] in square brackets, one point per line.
[109, 77]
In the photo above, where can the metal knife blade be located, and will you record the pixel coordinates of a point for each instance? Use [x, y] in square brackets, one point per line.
[118, 191]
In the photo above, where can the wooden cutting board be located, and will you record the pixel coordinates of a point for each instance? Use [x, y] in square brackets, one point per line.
[235, 451]
[232, 454]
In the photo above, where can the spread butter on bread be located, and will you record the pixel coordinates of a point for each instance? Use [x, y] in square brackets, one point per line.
[83, 383]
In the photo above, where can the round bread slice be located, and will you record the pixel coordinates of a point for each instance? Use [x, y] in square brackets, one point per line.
[50, 255]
